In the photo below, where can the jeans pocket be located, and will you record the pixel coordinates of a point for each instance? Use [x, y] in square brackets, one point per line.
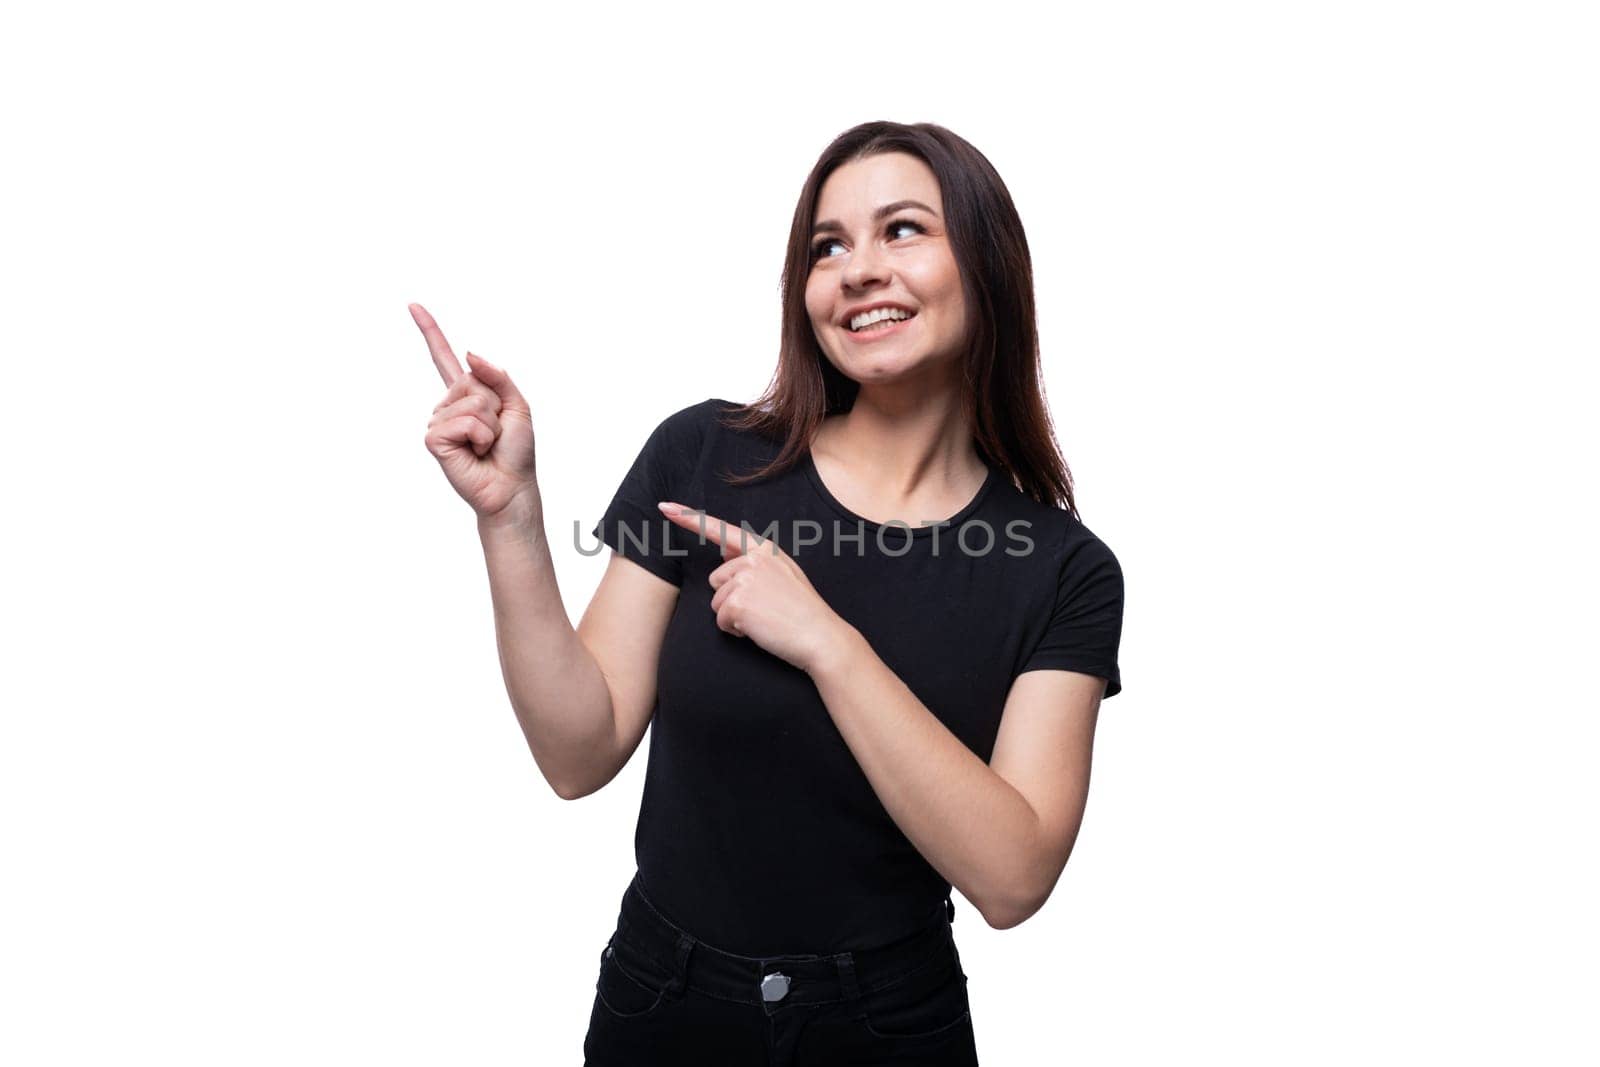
[628, 986]
[930, 1003]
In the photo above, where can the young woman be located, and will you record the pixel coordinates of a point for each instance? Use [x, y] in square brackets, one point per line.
[863, 615]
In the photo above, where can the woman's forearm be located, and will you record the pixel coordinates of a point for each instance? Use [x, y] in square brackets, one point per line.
[970, 824]
[555, 686]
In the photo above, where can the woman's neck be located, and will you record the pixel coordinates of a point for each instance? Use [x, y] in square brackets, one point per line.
[897, 458]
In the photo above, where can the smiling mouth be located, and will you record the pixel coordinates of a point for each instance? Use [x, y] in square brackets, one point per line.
[882, 324]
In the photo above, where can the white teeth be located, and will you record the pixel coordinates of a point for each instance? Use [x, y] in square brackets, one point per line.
[867, 318]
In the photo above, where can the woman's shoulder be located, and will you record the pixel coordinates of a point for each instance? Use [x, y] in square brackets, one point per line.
[1050, 526]
[689, 426]
[714, 422]
[698, 433]
[700, 416]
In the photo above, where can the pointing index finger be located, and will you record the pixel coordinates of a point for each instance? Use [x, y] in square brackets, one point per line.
[438, 347]
[735, 539]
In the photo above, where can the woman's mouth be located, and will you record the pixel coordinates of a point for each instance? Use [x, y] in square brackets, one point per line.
[883, 328]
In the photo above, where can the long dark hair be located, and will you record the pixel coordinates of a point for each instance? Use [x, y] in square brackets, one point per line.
[1004, 391]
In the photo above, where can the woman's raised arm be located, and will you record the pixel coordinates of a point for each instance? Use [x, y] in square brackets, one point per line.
[582, 703]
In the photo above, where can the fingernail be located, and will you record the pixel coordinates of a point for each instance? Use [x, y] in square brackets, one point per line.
[668, 507]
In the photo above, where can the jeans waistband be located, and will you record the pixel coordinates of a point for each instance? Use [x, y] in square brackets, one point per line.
[646, 939]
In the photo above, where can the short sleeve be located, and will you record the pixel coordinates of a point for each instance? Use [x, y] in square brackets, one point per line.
[1085, 627]
[632, 524]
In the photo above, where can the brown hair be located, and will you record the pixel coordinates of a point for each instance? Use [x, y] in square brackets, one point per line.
[1004, 392]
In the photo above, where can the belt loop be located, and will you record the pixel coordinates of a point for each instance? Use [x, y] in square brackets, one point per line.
[949, 910]
[847, 975]
[680, 964]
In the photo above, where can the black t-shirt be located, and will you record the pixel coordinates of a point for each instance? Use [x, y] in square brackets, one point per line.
[758, 832]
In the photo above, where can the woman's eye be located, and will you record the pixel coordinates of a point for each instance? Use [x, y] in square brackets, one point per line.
[819, 249]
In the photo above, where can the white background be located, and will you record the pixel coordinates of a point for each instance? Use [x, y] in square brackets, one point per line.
[1317, 298]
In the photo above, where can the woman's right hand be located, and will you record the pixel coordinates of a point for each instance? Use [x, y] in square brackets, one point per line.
[482, 431]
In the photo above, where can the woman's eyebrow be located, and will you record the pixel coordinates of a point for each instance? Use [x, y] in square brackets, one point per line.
[887, 209]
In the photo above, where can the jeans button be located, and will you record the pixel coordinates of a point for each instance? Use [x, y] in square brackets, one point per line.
[774, 987]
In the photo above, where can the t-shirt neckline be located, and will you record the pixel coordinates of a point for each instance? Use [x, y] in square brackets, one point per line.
[926, 530]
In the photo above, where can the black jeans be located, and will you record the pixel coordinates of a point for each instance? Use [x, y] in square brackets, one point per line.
[664, 998]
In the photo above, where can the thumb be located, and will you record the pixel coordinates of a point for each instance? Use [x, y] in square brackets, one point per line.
[499, 381]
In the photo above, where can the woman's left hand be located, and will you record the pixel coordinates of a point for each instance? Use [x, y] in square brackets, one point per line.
[761, 592]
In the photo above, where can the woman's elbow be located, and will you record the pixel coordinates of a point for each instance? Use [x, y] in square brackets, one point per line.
[1003, 915]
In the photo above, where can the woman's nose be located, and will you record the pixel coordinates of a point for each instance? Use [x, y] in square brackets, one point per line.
[866, 265]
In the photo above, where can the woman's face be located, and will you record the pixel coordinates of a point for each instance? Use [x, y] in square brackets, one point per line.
[871, 247]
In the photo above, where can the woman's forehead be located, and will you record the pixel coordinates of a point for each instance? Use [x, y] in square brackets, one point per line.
[856, 189]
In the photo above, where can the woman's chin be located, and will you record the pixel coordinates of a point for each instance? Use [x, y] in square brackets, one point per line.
[887, 367]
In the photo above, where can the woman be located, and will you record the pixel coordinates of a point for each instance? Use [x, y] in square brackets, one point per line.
[863, 615]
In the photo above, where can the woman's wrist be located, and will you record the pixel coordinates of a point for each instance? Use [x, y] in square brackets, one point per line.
[522, 518]
[839, 643]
